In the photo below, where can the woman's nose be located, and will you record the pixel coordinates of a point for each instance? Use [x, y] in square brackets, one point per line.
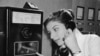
[53, 36]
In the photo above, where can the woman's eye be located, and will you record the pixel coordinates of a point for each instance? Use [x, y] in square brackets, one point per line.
[56, 29]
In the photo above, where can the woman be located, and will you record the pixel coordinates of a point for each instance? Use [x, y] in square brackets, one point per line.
[62, 30]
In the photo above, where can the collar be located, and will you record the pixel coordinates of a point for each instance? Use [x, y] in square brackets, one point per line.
[80, 38]
[78, 33]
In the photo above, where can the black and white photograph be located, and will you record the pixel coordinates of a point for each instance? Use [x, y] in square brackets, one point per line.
[49, 27]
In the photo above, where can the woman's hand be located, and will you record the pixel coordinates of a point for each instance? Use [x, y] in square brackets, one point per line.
[71, 42]
[38, 54]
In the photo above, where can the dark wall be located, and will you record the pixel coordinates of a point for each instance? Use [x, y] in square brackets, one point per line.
[95, 28]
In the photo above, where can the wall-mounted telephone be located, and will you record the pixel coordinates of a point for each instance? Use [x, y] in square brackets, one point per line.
[21, 31]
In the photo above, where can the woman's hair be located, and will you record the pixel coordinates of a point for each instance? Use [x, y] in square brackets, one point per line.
[64, 16]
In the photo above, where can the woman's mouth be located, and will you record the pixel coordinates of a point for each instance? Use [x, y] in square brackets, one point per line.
[59, 42]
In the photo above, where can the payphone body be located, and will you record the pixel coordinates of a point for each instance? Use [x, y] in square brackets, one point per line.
[20, 31]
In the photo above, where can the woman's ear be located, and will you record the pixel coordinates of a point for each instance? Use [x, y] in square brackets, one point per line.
[69, 31]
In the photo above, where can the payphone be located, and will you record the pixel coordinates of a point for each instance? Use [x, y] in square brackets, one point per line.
[20, 31]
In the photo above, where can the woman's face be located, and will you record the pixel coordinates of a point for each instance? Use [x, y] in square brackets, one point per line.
[57, 32]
